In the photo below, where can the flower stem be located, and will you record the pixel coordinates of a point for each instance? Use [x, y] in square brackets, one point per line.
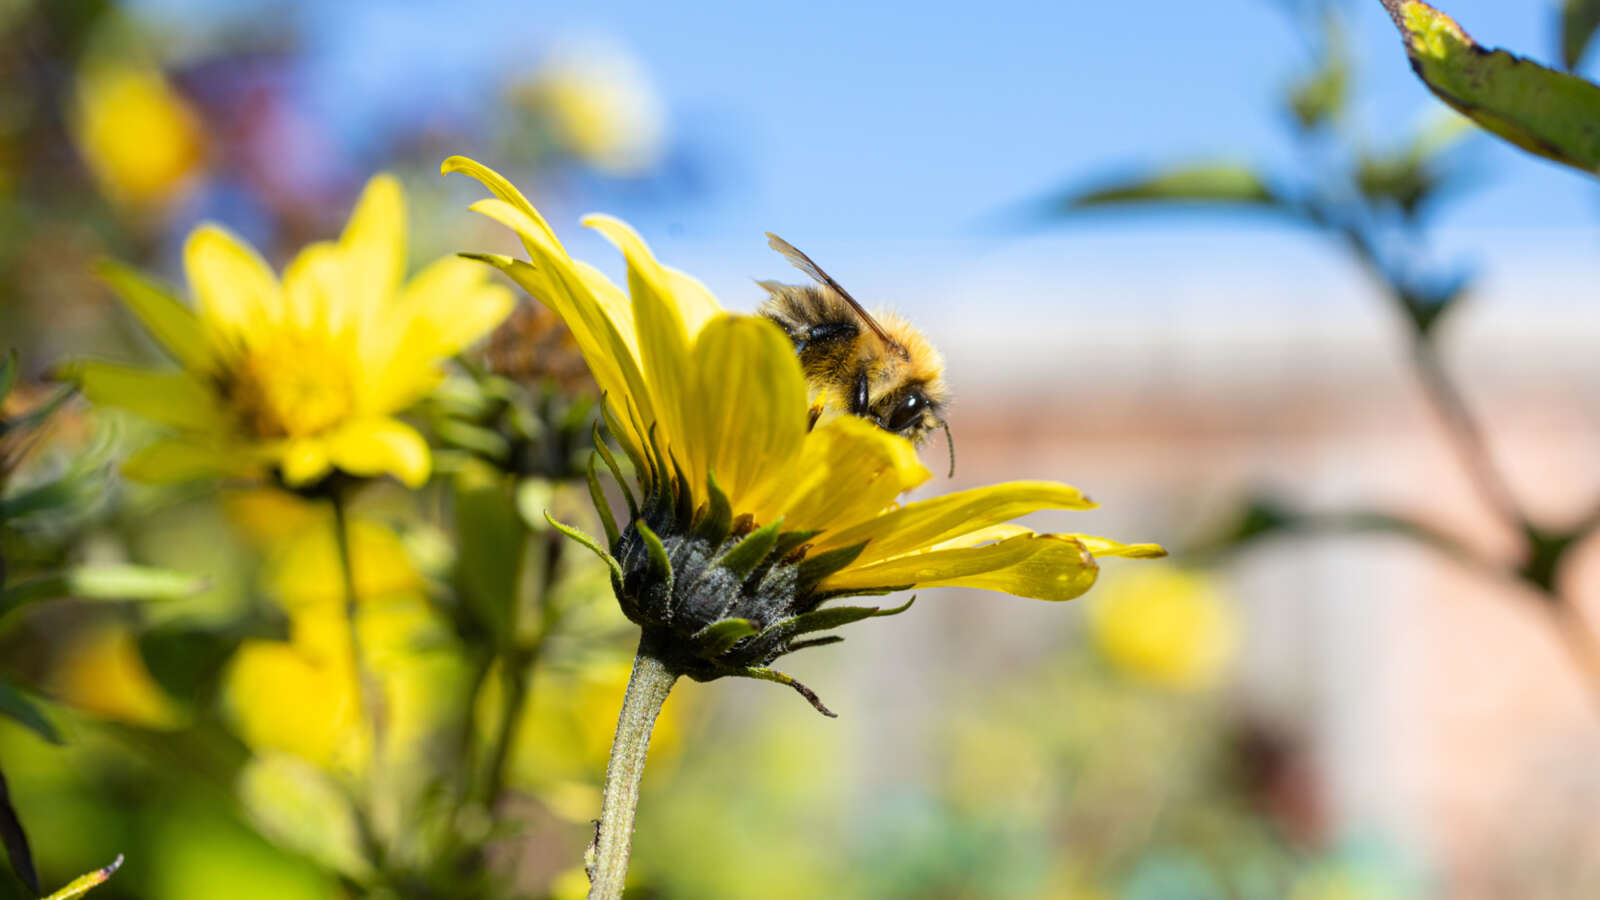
[366, 689]
[647, 691]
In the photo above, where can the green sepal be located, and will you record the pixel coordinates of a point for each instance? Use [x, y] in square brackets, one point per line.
[824, 619]
[578, 535]
[660, 571]
[790, 541]
[715, 519]
[749, 553]
[664, 496]
[616, 471]
[641, 472]
[602, 506]
[719, 637]
[767, 674]
[814, 642]
[815, 568]
[682, 495]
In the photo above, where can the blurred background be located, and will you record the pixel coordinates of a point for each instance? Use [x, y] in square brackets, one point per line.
[1227, 267]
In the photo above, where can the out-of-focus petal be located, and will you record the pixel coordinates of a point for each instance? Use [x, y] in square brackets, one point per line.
[234, 289]
[374, 247]
[373, 447]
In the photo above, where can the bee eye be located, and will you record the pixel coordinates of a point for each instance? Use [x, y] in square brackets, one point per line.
[907, 412]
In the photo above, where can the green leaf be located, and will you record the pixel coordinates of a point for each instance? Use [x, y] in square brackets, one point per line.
[83, 883]
[1579, 19]
[577, 534]
[167, 318]
[103, 582]
[1221, 184]
[1543, 111]
[490, 536]
[302, 808]
[16, 840]
[17, 707]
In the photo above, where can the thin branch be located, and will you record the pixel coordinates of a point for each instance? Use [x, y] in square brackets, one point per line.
[647, 691]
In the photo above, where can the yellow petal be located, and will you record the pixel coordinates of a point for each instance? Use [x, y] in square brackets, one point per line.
[233, 287]
[663, 343]
[313, 284]
[696, 303]
[374, 247]
[1044, 567]
[378, 446]
[454, 302]
[304, 460]
[175, 461]
[563, 288]
[177, 399]
[1099, 546]
[918, 525]
[746, 416]
[847, 470]
[168, 319]
[506, 191]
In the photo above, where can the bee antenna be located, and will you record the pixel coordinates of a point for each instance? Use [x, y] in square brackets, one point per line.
[950, 444]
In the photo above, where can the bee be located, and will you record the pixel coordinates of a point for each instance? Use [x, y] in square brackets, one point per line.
[879, 368]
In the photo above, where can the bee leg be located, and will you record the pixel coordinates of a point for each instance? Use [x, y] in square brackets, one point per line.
[815, 414]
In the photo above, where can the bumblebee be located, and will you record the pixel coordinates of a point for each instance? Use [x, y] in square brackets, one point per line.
[879, 368]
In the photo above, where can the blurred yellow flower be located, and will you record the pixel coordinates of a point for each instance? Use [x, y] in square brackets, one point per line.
[102, 672]
[302, 696]
[711, 408]
[304, 377]
[599, 106]
[139, 138]
[1166, 625]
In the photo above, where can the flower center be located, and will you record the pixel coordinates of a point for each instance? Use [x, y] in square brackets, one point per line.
[294, 386]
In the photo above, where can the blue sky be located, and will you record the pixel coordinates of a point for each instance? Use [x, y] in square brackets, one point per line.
[881, 137]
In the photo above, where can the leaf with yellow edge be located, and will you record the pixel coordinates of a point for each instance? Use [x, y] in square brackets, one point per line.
[83, 883]
[1543, 111]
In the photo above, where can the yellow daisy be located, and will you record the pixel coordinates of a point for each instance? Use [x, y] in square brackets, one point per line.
[745, 522]
[301, 377]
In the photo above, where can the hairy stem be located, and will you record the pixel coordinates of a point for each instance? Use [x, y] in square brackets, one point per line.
[648, 687]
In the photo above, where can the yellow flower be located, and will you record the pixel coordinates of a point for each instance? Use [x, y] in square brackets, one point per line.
[140, 139]
[600, 107]
[299, 378]
[747, 521]
[303, 696]
[1167, 626]
[102, 672]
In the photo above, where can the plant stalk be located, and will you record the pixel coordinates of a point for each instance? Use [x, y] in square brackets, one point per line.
[648, 687]
[366, 688]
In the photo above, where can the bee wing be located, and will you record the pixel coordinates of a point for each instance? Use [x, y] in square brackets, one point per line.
[803, 263]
